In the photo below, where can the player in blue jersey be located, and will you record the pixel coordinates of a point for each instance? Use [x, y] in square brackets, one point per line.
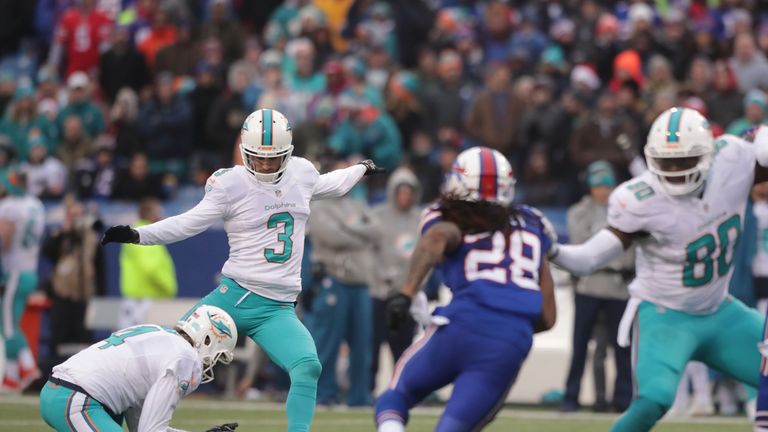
[493, 257]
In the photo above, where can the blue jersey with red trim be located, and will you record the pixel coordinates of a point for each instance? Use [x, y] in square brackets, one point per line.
[497, 272]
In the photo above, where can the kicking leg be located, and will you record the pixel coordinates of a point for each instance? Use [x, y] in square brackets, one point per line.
[429, 364]
[663, 342]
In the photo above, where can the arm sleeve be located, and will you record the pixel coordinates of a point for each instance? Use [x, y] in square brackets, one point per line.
[337, 183]
[761, 146]
[590, 256]
[160, 404]
[212, 208]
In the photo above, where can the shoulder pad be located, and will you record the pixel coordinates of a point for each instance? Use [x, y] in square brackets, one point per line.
[629, 204]
[430, 216]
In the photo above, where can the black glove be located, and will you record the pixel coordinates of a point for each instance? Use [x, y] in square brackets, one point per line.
[226, 427]
[371, 168]
[398, 311]
[120, 234]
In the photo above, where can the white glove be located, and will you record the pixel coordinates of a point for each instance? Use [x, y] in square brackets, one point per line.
[420, 312]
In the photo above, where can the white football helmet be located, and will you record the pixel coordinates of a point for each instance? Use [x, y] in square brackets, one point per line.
[679, 150]
[266, 133]
[213, 334]
[481, 174]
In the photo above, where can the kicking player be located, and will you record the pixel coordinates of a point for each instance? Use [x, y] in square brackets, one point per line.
[138, 374]
[494, 260]
[685, 216]
[22, 221]
[265, 207]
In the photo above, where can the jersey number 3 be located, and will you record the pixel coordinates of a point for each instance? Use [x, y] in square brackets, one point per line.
[284, 221]
[524, 253]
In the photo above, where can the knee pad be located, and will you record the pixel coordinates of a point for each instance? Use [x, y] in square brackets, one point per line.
[306, 371]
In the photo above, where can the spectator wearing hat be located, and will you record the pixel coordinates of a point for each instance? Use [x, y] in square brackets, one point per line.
[165, 126]
[355, 71]
[181, 57]
[602, 293]
[495, 117]
[301, 79]
[46, 175]
[162, 32]
[604, 134]
[335, 85]
[21, 118]
[660, 77]
[222, 26]
[725, 101]
[404, 102]
[122, 66]
[748, 64]
[755, 110]
[81, 105]
[605, 47]
[369, 132]
[94, 176]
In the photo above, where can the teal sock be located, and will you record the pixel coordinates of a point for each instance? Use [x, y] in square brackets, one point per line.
[300, 405]
[641, 416]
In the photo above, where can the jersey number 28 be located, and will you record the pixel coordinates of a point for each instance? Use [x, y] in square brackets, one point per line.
[524, 253]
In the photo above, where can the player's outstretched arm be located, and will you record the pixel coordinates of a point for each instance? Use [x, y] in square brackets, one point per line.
[594, 254]
[160, 403]
[439, 239]
[338, 182]
[548, 308]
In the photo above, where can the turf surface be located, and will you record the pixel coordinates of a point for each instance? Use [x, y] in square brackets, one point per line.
[22, 414]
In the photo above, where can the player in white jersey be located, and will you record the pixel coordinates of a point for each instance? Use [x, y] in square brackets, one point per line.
[138, 374]
[22, 221]
[685, 216]
[265, 207]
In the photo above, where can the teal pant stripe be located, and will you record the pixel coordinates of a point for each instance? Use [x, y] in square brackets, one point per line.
[66, 410]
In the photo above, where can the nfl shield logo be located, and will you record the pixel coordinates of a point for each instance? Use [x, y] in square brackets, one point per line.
[278, 193]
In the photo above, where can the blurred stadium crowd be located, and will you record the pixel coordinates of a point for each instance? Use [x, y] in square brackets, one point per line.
[122, 99]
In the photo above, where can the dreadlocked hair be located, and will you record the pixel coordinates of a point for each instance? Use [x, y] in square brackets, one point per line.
[474, 217]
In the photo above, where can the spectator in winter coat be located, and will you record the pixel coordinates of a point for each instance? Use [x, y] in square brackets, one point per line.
[165, 123]
[400, 215]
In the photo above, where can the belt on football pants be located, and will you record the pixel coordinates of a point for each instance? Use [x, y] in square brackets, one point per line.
[77, 388]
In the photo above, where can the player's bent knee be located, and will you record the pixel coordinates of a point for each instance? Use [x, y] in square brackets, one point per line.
[306, 371]
[641, 416]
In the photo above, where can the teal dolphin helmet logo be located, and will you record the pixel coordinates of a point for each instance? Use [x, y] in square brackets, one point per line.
[219, 326]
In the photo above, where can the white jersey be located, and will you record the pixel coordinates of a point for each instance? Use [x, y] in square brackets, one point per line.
[265, 223]
[141, 371]
[685, 260]
[28, 217]
[760, 260]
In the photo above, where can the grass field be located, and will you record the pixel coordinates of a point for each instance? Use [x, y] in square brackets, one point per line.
[21, 414]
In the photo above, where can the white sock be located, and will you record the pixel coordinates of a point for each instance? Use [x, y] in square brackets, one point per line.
[12, 370]
[391, 426]
[26, 360]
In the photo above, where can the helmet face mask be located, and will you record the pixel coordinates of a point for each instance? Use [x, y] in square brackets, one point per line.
[679, 150]
[481, 174]
[266, 134]
[213, 334]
